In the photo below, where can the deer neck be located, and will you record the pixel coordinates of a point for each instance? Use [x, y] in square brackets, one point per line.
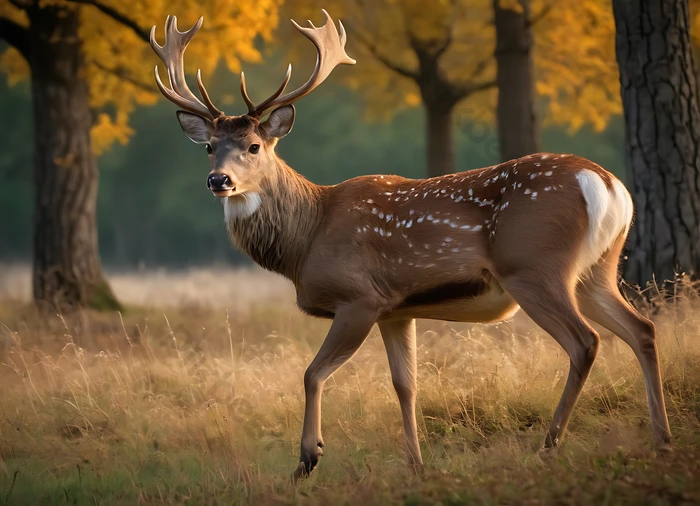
[276, 226]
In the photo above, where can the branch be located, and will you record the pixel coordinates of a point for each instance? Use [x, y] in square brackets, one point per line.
[481, 66]
[122, 74]
[446, 43]
[461, 92]
[21, 5]
[542, 14]
[117, 16]
[383, 59]
[15, 35]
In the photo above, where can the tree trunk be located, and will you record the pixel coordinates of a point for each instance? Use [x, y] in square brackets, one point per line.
[67, 268]
[440, 148]
[518, 131]
[659, 94]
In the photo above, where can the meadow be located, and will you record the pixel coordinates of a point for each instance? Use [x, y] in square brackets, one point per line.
[194, 395]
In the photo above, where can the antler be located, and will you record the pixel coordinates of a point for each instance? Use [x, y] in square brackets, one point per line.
[330, 46]
[172, 54]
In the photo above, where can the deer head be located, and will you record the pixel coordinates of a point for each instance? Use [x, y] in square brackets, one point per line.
[241, 149]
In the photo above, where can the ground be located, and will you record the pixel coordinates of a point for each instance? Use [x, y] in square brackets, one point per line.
[194, 395]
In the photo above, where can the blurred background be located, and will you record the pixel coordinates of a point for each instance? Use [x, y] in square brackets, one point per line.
[439, 86]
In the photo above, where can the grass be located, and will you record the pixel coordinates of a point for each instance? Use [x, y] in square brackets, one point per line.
[194, 396]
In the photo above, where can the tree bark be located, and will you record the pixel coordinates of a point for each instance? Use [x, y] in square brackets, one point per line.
[659, 94]
[66, 270]
[518, 130]
[440, 138]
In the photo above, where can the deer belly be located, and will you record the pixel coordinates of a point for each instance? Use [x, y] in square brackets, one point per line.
[490, 305]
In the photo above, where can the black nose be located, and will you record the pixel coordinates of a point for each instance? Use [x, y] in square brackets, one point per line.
[218, 181]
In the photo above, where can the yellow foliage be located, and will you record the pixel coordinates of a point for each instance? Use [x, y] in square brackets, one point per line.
[108, 130]
[8, 11]
[119, 63]
[575, 63]
[574, 54]
[14, 65]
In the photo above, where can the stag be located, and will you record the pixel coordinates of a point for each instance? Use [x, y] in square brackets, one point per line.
[543, 233]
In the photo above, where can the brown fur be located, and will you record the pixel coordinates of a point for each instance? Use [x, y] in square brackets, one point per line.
[236, 126]
[276, 236]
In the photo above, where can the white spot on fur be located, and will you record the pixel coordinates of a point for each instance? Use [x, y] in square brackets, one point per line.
[609, 215]
[241, 206]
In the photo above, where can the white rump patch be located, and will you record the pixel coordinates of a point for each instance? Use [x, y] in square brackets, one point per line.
[241, 206]
[609, 214]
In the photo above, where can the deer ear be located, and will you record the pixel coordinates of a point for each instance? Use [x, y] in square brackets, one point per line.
[280, 122]
[198, 129]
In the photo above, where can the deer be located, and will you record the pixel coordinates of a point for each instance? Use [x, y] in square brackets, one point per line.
[542, 233]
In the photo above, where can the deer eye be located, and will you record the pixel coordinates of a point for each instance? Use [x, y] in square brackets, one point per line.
[209, 149]
[254, 148]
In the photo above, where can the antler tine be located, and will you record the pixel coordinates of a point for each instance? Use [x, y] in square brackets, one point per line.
[246, 98]
[216, 112]
[343, 35]
[172, 54]
[330, 48]
[252, 108]
[260, 109]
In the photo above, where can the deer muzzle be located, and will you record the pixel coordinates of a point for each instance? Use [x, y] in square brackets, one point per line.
[220, 184]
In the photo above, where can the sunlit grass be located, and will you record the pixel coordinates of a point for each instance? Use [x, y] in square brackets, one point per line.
[195, 396]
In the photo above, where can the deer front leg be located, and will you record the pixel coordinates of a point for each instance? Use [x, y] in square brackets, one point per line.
[349, 330]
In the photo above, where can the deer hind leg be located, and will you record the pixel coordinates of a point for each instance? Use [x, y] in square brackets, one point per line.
[549, 300]
[400, 341]
[600, 301]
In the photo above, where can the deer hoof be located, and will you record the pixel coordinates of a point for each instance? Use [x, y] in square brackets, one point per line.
[308, 461]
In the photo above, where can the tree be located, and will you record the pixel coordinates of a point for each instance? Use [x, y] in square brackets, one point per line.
[89, 61]
[660, 98]
[441, 55]
[518, 131]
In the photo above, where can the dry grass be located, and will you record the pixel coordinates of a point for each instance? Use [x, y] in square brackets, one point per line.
[201, 401]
